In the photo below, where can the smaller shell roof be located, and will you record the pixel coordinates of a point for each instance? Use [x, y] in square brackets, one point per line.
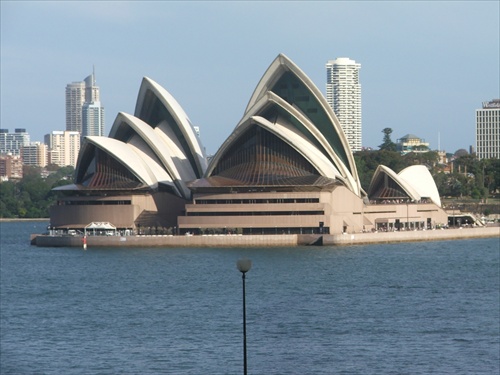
[419, 177]
[377, 179]
[416, 181]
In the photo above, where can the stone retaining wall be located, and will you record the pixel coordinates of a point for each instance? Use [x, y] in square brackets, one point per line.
[280, 240]
[412, 236]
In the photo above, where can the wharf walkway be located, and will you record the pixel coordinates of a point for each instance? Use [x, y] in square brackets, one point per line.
[279, 240]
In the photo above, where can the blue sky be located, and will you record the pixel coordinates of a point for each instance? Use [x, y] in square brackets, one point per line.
[425, 66]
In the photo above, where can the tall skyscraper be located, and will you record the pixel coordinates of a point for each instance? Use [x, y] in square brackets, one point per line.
[488, 130]
[343, 93]
[75, 97]
[84, 112]
[91, 90]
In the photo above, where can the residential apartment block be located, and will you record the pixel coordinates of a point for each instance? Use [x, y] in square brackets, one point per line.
[63, 147]
[11, 167]
[35, 154]
[343, 93]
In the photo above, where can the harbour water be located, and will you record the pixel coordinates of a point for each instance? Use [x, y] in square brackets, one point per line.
[408, 308]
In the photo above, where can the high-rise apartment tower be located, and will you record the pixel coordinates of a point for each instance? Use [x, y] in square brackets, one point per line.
[488, 130]
[343, 93]
[75, 97]
[84, 112]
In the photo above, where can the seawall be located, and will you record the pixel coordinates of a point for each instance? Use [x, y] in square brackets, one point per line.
[411, 236]
[280, 240]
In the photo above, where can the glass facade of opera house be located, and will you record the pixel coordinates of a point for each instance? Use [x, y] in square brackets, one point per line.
[285, 168]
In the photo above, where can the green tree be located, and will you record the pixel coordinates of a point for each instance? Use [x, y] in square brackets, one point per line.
[32, 196]
[8, 202]
[387, 144]
[368, 161]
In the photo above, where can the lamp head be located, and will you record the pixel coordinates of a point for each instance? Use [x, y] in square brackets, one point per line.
[244, 265]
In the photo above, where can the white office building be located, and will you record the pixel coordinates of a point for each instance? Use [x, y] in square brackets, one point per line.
[92, 119]
[63, 146]
[11, 143]
[343, 93]
[488, 130]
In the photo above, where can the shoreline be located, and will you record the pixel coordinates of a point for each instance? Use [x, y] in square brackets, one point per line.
[279, 240]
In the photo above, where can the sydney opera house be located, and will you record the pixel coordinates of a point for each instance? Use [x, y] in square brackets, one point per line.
[285, 168]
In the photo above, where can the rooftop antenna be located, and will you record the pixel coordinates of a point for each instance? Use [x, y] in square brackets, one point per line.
[439, 141]
[93, 75]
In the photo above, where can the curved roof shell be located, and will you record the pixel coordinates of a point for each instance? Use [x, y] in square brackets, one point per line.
[158, 150]
[156, 107]
[419, 177]
[92, 173]
[288, 105]
[414, 183]
[288, 81]
[386, 184]
[158, 142]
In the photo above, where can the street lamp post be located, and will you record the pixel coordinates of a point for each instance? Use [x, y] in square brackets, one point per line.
[244, 266]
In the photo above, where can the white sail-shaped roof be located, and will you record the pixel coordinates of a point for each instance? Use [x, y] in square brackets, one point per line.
[328, 125]
[126, 156]
[161, 142]
[156, 105]
[419, 177]
[287, 104]
[157, 146]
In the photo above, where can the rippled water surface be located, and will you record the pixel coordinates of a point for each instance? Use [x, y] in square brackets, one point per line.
[415, 308]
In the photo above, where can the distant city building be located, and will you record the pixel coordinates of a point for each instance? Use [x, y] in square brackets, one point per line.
[63, 147]
[11, 143]
[443, 159]
[84, 112]
[75, 97]
[92, 119]
[411, 143]
[343, 93]
[11, 167]
[35, 154]
[92, 111]
[488, 130]
[91, 89]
